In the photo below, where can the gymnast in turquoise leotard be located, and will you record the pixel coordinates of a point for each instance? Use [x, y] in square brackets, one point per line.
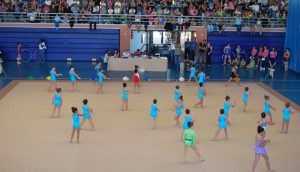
[245, 98]
[53, 76]
[124, 97]
[76, 123]
[222, 125]
[200, 95]
[192, 74]
[153, 113]
[227, 106]
[286, 117]
[187, 119]
[73, 77]
[101, 76]
[177, 93]
[87, 110]
[178, 111]
[267, 108]
[56, 102]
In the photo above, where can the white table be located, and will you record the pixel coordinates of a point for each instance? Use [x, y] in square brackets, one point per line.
[128, 64]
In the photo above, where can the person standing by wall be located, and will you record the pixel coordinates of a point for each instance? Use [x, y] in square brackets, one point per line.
[187, 53]
[193, 49]
[177, 56]
[93, 21]
[202, 51]
[208, 54]
[42, 50]
[173, 44]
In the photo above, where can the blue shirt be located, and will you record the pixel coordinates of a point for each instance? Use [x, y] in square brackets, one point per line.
[227, 50]
[124, 94]
[179, 109]
[187, 44]
[193, 46]
[187, 119]
[222, 121]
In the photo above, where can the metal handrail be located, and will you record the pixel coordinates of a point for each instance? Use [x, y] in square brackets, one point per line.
[138, 20]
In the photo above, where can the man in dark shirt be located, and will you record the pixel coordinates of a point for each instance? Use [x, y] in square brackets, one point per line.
[202, 50]
[193, 49]
[187, 50]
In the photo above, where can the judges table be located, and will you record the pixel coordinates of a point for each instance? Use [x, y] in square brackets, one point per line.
[127, 64]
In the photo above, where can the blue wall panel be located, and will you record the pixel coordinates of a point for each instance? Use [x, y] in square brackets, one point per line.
[293, 35]
[270, 39]
[79, 44]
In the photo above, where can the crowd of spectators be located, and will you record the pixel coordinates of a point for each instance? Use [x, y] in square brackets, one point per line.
[201, 8]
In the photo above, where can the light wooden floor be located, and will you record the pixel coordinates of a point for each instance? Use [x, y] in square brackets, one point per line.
[123, 142]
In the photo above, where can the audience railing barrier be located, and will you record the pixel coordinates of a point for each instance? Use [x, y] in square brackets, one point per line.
[139, 20]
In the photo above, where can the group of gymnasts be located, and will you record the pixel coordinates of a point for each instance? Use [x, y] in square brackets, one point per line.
[187, 135]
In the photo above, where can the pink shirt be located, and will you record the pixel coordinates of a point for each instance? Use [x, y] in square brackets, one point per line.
[265, 53]
[260, 53]
[273, 54]
[254, 51]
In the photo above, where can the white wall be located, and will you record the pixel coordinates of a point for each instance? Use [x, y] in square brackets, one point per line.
[136, 43]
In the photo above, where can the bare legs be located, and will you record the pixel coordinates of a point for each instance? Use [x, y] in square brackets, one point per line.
[136, 85]
[196, 151]
[54, 109]
[74, 86]
[225, 59]
[271, 119]
[176, 118]
[245, 105]
[191, 79]
[200, 103]
[286, 125]
[91, 123]
[154, 124]
[73, 132]
[217, 133]
[266, 157]
[124, 104]
[51, 84]
[230, 79]
[99, 91]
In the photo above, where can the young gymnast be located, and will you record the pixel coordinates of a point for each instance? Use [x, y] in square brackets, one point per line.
[76, 123]
[56, 102]
[262, 122]
[233, 76]
[178, 110]
[190, 141]
[286, 117]
[136, 80]
[124, 97]
[227, 106]
[73, 77]
[193, 72]
[153, 113]
[227, 54]
[201, 94]
[202, 77]
[260, 149]
[87, 110]
[268, 106]
[245, 98]
[222, 125]
[187, 119]
[101, 76]
[177, 93]
[53, 76]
